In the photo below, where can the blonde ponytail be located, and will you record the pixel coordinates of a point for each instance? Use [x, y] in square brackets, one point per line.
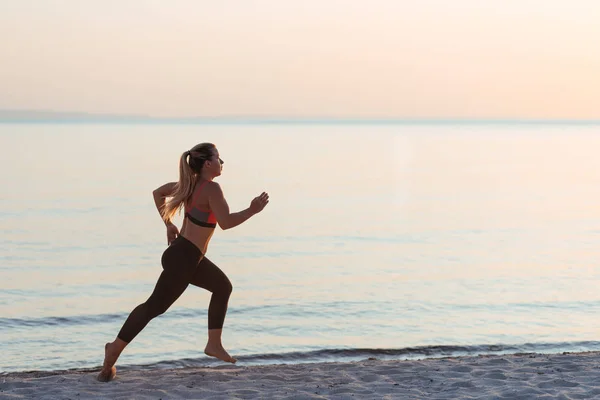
[188, 172]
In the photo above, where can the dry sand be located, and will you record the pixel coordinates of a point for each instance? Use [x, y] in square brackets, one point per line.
[520, 376]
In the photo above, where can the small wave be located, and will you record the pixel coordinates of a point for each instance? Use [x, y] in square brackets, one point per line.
[346, 355]
[72, 320]
[7, 323]
[407, 353]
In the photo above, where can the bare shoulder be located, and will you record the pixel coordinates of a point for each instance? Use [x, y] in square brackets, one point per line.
[213, 188]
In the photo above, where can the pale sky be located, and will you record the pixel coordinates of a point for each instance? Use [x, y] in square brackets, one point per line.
[303, 58]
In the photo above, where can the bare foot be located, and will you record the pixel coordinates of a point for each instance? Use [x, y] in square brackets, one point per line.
[109, 371]
[218, 352]
[107, 375]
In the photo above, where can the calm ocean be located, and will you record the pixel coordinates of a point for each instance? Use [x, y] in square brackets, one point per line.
[380, 240]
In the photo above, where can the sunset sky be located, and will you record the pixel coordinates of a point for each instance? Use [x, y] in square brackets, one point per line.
[306, 58]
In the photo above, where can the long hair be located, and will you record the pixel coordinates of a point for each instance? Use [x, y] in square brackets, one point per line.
[188, 172]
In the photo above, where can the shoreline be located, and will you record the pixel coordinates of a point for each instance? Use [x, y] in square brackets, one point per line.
[520, 375]
[327, 355]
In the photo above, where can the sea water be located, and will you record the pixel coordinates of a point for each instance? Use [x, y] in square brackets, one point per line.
[387, 240]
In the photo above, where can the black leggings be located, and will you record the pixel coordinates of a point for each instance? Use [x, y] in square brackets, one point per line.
[180, 268]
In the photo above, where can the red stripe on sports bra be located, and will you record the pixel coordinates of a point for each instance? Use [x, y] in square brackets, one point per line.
[197, 191]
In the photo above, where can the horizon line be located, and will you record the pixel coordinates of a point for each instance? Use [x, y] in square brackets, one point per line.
[46, 116]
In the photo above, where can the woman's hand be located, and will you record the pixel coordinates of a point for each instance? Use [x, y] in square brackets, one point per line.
[259, 202]
[172, 232]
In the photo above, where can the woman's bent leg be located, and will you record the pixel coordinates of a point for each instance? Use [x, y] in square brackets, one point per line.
[210, 277]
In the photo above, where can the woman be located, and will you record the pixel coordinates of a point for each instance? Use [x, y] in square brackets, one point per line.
[184, 261]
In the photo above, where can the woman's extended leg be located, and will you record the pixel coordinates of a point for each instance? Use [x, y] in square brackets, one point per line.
[208, 276]
[179, 267]
[169, 287]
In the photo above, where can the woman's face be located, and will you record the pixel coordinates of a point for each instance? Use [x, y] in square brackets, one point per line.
[214, 165]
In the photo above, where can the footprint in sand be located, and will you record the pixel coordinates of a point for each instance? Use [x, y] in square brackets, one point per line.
[557, 383]
[496, 361]
[370, 378]
[461, 368]
[463, 384]
[496, 375]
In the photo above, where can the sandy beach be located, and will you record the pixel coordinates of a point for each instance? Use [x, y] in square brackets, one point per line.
[519, 376]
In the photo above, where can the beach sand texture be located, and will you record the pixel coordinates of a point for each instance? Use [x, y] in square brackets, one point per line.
[520, 376]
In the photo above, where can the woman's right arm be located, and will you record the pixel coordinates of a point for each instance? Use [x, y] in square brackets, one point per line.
[220, 208]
